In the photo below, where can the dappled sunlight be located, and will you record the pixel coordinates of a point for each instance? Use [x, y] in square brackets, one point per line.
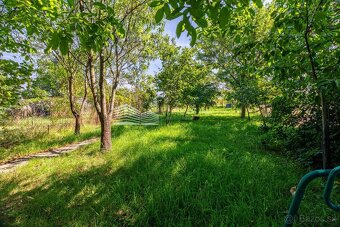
[183, 173]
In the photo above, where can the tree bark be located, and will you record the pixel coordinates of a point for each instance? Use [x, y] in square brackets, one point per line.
[168, 113]
[77, 125]
[326, 152]
[262, 116]
[159, 109]
[106, 143]
[243, 111]
[326, 157]
[75, 113]
[105, 136]
[99, 100]
[197, 107]
[248, 114]
[186, 110]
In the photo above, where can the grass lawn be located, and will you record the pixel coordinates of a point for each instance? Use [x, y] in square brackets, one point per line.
[25, 143]
[191, 173]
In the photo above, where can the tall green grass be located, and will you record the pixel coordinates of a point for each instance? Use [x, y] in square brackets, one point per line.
[33, 135]
[210, 172]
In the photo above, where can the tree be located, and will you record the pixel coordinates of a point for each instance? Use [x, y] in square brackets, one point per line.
[48, 81]
[184, 81]
[126, 35]
[201, 87]
[143, 93]
[13, 77]
[174, 76]
[194, 14]
[76, 85]
[203, 95]
[112, 36]
[305, 49]
[237, 53]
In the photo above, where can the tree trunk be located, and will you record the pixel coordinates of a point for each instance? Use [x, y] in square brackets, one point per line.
[159, 109]
[326, 158]
[243, 111]
[105, 135]
[99, 99]
[186, 110]
[75, 113]
[168, 114]
[262, 116]
[197, 109]
[326, 152]
[77, 125]
[248, 114]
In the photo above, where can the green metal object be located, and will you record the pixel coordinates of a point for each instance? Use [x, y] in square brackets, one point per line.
[305, 180]
[328, 189]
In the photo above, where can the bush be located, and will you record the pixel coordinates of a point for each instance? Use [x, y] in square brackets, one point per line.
[294, 130]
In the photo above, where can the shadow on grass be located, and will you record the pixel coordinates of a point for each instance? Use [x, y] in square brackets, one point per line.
[202, 173]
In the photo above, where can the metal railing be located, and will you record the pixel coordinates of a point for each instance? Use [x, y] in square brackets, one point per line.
[331, 174]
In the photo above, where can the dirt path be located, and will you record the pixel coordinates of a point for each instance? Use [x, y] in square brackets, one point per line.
[11, 165]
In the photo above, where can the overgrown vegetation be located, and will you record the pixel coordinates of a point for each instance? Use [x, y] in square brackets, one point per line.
[281, 57]
[35, 135]
[69, 64]
[188, 173]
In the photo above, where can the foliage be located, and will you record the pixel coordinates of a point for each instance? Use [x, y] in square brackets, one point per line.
[184, 81]
[304, 64]
[49, 81]
[13, 77]
[200, 93]
[188, 173]
[142, 93]
[198, 14]
[237, 55]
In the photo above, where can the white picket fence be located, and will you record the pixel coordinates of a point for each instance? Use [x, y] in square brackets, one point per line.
[128, 115]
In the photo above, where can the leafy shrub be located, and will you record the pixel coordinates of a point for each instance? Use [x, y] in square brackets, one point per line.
[294, 130]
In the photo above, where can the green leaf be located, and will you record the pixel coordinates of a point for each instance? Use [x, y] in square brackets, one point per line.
[202, 22]
[70, 2]
[337, 82]
[298, 26]
[193, 37]
[174, 14]
[258, 3]
[238, 39]
[99, 5]
[110, 10]
[121, 31]
[154, 3]
[167, 10]
[159, 15]
[213, 12]
[173, 4]
[63, 46]
[224, 16]
[251, 11]
[179, 29]
[55, 39]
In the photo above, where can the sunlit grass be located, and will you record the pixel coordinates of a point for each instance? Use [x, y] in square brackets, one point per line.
[24, 140]
[191, 173]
